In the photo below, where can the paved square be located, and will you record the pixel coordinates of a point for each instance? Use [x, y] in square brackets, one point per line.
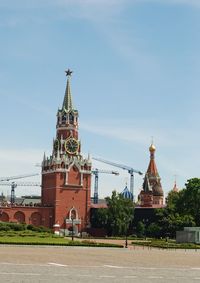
[82, 264]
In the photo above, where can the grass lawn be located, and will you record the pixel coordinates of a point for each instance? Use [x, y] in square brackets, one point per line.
[33, 240]
[45, 238]
[162, 243]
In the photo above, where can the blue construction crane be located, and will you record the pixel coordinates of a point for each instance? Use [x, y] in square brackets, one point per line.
[130, 170]
[96, 172]
[13, 184]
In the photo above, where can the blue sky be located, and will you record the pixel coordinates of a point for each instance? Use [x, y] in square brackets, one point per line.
[136, 75]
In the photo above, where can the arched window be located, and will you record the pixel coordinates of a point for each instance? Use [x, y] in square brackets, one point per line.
[73, 213]
[64, 118]
[4, 217]
[71, 118]
[19, 217]
[36, 219]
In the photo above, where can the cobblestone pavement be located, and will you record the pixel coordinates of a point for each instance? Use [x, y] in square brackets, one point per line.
[85, 264]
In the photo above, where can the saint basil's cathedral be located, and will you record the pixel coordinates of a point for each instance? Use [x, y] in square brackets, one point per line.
[66, 181]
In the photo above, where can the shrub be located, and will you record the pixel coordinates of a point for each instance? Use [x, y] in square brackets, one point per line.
[4, 228]
[154, 230]
[38, 228]
[29, 227]
[17, 226]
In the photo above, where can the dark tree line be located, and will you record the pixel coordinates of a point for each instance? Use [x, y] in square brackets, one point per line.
[182, 210]
[117, 218]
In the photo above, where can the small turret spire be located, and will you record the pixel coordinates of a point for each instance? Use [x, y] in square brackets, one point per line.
[152, 169]
[44, 156]
[175, 188]
[67, 102]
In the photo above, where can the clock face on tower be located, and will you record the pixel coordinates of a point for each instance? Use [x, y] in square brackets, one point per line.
[71, 145]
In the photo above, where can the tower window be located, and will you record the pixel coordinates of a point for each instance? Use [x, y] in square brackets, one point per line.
[64, 118]
[73, 214]
[71, 118]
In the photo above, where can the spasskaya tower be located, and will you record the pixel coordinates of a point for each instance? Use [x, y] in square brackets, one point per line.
[66, 175]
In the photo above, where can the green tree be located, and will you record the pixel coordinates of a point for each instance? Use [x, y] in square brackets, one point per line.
[99, 218]
[190, 203]
[120, 214]
[153, 230]
[140, 229]
[182, 210]
[171, 221]
[117, 217]
[173, 200]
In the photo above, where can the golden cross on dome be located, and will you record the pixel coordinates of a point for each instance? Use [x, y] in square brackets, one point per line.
[68, 73]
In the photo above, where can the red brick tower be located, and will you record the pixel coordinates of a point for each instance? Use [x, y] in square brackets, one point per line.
[152, 192]
[66, 175]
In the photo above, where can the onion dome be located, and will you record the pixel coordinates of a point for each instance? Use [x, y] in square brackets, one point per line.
[157, 190]
[127, 194]
[152, 148]
[152, 169]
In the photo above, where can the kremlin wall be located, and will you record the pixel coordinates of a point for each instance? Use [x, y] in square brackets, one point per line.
[66, 181]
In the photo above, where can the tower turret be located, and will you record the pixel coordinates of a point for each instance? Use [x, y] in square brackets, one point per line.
[66, 175]
[152, 192]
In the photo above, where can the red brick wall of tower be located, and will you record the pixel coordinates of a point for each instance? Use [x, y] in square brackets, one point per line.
[64, 197]
[66, 175]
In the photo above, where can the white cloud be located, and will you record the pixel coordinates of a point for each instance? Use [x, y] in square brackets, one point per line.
[178, 149]
[140, 132]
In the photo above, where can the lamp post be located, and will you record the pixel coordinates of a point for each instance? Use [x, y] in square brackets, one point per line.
[81, 226]
[126, 220]
[50, 221]
[126, 240]
[72, 218]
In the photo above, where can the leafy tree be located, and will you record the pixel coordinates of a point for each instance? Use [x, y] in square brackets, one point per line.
[191, 199]
[182, 210]
[117, 217]
[170, 221]
[140, 229]
[120, 214]
[153, 230]
[173, 200]
[99, 218]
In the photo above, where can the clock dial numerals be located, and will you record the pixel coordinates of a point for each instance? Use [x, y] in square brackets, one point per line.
[71, 145]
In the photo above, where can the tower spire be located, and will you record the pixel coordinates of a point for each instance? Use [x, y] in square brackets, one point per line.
[152, 169]
[67, 102]
[152, 192]
[175, 188]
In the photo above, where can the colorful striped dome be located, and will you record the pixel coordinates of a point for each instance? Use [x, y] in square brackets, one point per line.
[127, 194]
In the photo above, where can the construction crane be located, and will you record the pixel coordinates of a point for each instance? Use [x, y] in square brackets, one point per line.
[130, 170]
[96, 172]
[14, 185]
[17, 177]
